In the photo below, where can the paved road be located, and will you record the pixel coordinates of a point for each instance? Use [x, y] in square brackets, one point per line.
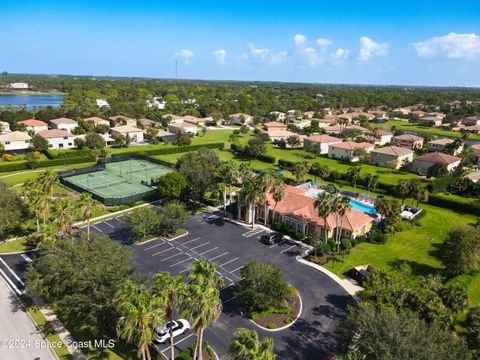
[16, 325]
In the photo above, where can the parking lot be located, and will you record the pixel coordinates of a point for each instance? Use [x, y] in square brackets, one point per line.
[231, 246]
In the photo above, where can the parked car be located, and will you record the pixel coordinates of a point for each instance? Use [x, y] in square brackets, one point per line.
[271, 238]
[162, 333]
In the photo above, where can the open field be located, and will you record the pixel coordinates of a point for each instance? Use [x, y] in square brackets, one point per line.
[406, 126]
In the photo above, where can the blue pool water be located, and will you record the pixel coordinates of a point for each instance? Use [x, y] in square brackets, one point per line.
[357, 205]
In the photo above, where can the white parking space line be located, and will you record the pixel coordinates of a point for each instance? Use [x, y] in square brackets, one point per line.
[228, 262]
[227, 286]
[237, 269]
[216, 257]
[13, 273]
[116, 218]
[154, 246]
[178, 342]
[291, 247]
[226, 301]
[97, 228]
[170, 257]
[205, 252]
[161, 252]
[180, 262]
[281, 242]
[198, 246]
[184, 270]
[26, 258]
[189, 241]
[107, 223]
[253, 232]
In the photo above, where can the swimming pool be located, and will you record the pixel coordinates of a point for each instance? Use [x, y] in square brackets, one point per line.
[357, 205]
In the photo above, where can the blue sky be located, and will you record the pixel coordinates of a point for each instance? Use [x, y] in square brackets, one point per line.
[355, 42]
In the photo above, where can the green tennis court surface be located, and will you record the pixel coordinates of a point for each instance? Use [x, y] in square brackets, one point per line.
[120, 179]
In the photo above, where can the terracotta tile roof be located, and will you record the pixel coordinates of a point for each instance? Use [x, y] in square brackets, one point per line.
[302, 207]
[126, 129]
[14, 136]
[444, 141]
[474, 176]
[393, 150]
[120, 118]
[408, 137]
[350, 145]
[435, 157]
[54, 133]
[274, 124]
[476, 146]
[33, 122]
[95, 120]
[323, 139]
[146, 122]
[63, 121]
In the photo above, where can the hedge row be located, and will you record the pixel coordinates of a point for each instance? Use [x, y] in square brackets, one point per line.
[62, 154]
[25, 165]
[452, 204]
[267, 158]
[172, 150]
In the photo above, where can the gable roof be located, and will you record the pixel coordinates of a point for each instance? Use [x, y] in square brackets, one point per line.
[295, 203]
[444, 141]
[274, 124]
[95, 120]
[14, 136]
[33, 122]
[408, 137]
[350, 145]
[323, 139]
[435, 157]
[393, 150]
[474, 176]
[120, 118]
[54, 133]
[63, 121]
[126, 129]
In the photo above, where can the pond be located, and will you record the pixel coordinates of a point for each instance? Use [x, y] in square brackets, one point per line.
[31, 101]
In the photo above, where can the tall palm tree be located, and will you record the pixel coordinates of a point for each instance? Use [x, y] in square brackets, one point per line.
[226, 172]
[32, 195]
[246, 345]
[372, 182]
[402, 189]
[343, 208]
[244, 172]
[251, 192]
[173, 291]
[64, 214]
[47, 180]
[278, 193]
[353, 174]
[267, 181]
[324, 208]
[203, 305]
[141, 311]
[86, 206]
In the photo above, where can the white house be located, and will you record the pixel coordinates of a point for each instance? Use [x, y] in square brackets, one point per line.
[97, 121]
[19, 86]
[107, 140]
[239, 118]
[16, 140]
[102, 103]
[442, 144]
[280, 116]
[135, 134]
[391, 154]
[172, 118]
[64, 124]
[34, 125]
[4, 127]
[183, 128]
[320, 142]
[119, 120]
[345, 150]
[58, 139]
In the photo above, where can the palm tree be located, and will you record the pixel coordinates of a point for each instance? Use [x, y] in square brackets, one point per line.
[244, 172]
[324, 208]
[343, 207]
[246, 345]
[141, 312]
[47, 180]
[226, 171]
[422, 194]
[64, 214]
[203, 305]
[267, 181]
[32, 195]
[172, 290]
[353, 174]
[86, 206]
[402, 189]
[251, 192]
[372, 182]
[278, 192]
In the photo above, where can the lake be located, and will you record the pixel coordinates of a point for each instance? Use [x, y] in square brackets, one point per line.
[30, 101]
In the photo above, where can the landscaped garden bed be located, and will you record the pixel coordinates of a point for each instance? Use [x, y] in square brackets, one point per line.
[187, 354]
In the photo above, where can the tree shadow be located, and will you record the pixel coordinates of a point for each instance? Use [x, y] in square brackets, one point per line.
[417, 268]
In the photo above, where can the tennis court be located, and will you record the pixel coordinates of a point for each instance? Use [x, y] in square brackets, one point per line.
[119, 181]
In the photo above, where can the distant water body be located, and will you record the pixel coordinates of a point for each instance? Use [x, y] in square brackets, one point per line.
[30, 101]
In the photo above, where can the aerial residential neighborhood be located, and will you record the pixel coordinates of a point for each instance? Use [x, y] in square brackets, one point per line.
[240, 180]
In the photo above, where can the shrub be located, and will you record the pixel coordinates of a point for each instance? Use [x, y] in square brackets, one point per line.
[267, 158]
[62, 154]
[7, 157]
[288, 320]
[272, 326]
[346, 243]
[286, 164]
[326, 248]
[377, 237]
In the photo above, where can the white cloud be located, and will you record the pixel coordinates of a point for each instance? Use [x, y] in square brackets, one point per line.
[450, 46]
[340, 54]
[220, 55]
[185, 54]
[264, 55]
[299, 40]
[323, 42]
[370, 49]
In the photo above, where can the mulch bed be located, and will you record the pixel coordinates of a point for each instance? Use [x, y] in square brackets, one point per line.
[279, 319]
[319, 260]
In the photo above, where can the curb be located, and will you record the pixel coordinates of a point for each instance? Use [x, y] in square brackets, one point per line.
[283, 327]
[161, 237]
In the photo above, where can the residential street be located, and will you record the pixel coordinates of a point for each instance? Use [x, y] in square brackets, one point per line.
[18, 335]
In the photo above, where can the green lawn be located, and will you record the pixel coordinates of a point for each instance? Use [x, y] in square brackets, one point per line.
[404, 125]
[12, 246]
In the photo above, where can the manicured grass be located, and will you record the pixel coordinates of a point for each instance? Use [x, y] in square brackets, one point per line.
[13, 246]
[46, 328]
[21, 157]
[474, 291]
[406, 126]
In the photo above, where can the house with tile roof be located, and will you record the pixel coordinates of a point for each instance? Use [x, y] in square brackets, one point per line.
[97, 121]
[4, 127]
[194, 120]
[442, 144]
[474, 149]
[119, 120]
[297, 209]
[133, 133]
[471, 120]
[408, 141]
[183, 128]
[379, 137]
[391, 154]
[148, 123]
[473, 176]
[346, 150]
[280, 116]
[34, 125]
[107, 139]
[239, 118]
[319, 143]
[58, 139]
[274, 126]
[14, 141]
[64, 124]
[424, 162]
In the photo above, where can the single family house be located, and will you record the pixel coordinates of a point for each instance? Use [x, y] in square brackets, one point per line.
[64, 124]
[34, 125]
[319, 143]
[408, 141]
[424, 162]
[347, 150]
[14, 141]
[58, 139]
[133, 133]
[391, 154]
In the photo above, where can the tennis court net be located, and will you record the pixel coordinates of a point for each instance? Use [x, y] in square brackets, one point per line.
[103, 186]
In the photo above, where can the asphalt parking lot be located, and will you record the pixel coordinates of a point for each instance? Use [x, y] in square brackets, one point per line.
[230, 246]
